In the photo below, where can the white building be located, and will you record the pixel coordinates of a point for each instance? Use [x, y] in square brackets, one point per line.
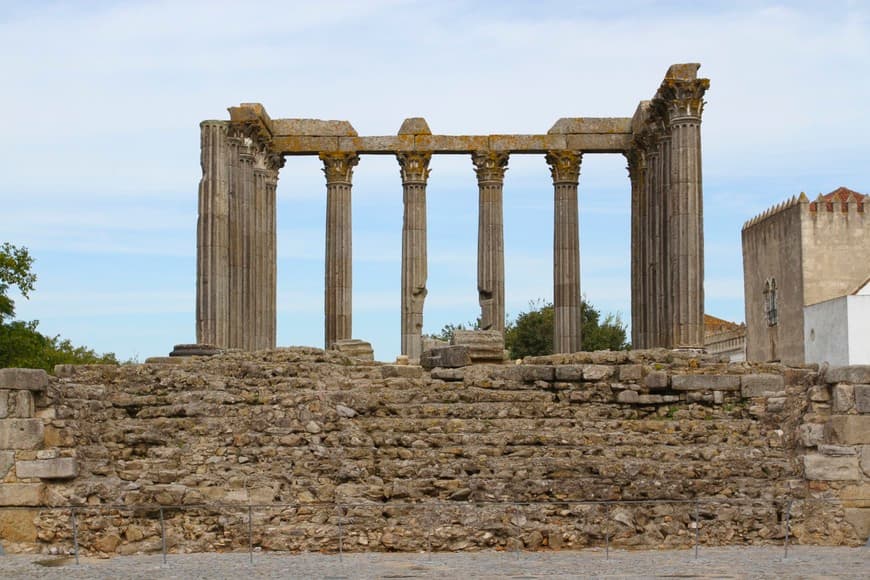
[837, 331]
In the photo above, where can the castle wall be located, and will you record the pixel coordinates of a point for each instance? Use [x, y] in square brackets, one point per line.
[836, 243]
[772, 249]
[314, 446]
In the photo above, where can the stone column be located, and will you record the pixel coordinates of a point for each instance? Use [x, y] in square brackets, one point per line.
[651, 266]
[490, 168]
[665, 335]
[565, 169]
[274, 163]
[683, 96]
[414, 168]
[636, 169]
[263, 261]
[338, 302]
[212, 237]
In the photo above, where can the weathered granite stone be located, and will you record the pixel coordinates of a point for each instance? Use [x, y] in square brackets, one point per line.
[57, 468]
[848, 429]
[632, 372]
[627, 397]
[837, 450]
[824, 468]
[862, 398]
[16, 404]
[762, 386]
[354, 347]
[27, 379]
[569, 373]
[20, 494]
[532, 373]
[859, 518]
[656, 380]
[597, 372]
[445, 357]
[864, 460]
[21, 433]
[705, 382]
[855, 374]
[403, 371]
[484, 346]
[856, 495]
[7, 460]
[455, 374]
[195, 350]
[843, 397]
[17, 525]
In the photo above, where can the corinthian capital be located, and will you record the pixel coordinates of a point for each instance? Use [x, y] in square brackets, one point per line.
[338, 167]
[414, 166]
[489, 165]
[564, 166]
[683, 98]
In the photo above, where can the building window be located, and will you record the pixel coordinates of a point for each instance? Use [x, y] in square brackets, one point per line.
[770, 306]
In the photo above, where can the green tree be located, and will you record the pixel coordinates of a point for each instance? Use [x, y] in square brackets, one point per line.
[21, 344]
[532, 332]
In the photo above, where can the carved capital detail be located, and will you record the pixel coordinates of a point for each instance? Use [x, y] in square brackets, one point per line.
[564, 166]
[490, 165]
[338, 167]
[683, 99]
[636, 159]
[414, 166]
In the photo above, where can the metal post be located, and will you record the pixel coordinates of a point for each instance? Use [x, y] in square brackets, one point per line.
[162, 536]
[607, 533]
[340, 535]
[697, 530]
[75, 535]
[787, 526]
[251, 534]
[519, 534]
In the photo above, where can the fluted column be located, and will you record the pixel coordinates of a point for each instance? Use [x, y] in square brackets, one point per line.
[651, 266]
[490, 168]
[212, 236]
[665, 333]
[684, 99]
[636, 170]
[263, 260]
[414, 168]
[276, 162]
[565, 169]
[338, 302]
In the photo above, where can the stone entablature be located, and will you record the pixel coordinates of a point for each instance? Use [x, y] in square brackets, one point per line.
[236, 296]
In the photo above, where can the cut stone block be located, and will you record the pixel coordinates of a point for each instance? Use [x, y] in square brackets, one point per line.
[445, 357]
[865, 459]
[403, 371]
[862, 398]
[15, 494]
[632, 372]
[762, 386]
[859, 518]
[17, 525]
[448, 374]
[856, 495]
[597, 372]
[843, 396]
[656, 380]
[16, 404]
[627, 397]
[824, 468]
[57, 468]
[848, 429]
[7, 460]
[195, 350]
[355, 348]
[532, 373]
[855, 374]
[484, 346]
[705, 382]
[21, 433]
[27, 379]
[569, 373]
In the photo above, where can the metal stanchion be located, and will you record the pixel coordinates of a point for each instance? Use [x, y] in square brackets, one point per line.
[787, 526]
[340, 535]
[75, 535]
[697, 530]
[162, 536]
[607, 533]
[519, 534]
[251, 534]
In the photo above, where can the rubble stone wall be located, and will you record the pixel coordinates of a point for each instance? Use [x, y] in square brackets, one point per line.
[317, 448]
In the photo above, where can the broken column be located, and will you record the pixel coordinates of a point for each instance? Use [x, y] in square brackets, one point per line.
[338, 302]
[565, 169]
[490, 167]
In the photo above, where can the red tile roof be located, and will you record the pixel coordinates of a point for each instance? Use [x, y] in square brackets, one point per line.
[839, 196]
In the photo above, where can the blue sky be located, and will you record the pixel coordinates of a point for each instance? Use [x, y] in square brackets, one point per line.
[100, 160]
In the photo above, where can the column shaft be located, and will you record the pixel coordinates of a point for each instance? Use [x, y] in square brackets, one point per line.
[567, 322]
[636, 161]
[490, 168]
[415, 172]
[212, 256]
[338, 299]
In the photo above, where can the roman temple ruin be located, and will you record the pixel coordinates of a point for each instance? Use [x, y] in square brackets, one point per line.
[236, 233]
